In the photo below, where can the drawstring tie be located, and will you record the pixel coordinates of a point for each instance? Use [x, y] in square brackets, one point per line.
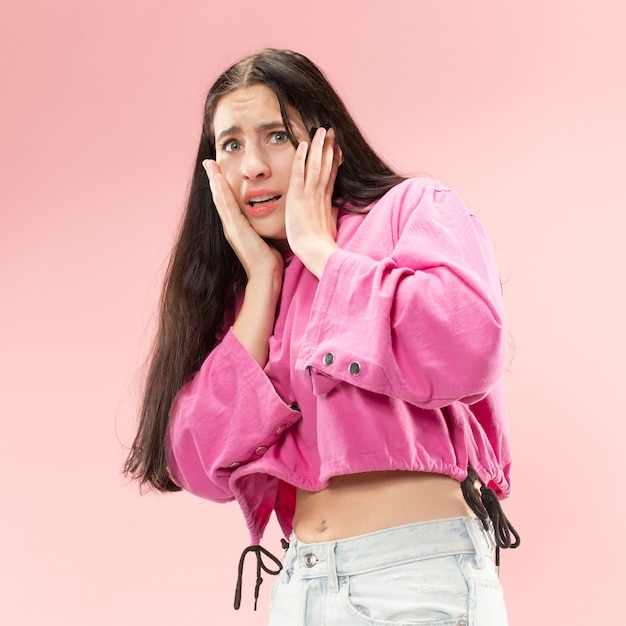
[487, 507]
[260, 565]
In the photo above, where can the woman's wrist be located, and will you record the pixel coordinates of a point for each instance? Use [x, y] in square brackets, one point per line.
[255, 322]
[265, 282]
[315, 254]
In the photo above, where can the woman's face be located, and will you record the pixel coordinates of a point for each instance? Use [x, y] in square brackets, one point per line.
[255, 155]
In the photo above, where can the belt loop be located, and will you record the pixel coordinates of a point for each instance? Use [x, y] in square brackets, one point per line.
[290, 557]
[331, 565]
[478, 540]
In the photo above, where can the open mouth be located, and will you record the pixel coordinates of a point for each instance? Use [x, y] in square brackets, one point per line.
[259, 201]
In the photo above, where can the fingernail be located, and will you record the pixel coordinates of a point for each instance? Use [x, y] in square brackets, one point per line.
[331, 133]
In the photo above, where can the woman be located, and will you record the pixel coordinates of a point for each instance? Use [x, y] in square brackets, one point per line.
[331, 348]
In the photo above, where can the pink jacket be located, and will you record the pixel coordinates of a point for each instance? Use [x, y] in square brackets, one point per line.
[392, 360]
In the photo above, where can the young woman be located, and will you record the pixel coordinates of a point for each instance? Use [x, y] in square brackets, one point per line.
[331, 348]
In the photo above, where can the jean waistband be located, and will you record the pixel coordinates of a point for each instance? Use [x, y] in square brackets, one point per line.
[391, 546]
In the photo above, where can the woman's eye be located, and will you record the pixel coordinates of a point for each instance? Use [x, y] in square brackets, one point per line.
[232, 145]
[279, 136]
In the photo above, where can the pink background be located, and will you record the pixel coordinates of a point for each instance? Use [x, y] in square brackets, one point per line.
[518, 105]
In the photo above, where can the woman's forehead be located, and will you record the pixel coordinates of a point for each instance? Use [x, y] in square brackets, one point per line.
[250, 106]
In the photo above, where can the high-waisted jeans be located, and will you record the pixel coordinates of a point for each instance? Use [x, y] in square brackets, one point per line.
[438, 573]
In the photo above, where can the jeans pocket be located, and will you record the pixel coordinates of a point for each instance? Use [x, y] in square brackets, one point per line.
[426, 592]
[487, 606]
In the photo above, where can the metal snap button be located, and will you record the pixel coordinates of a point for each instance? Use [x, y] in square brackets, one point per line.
[329, 358]
[354, 368]
[260, 450]
[234, 465]
[310, 559]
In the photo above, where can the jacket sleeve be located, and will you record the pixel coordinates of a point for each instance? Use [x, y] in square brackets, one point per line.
[228, 414]
[423, 322]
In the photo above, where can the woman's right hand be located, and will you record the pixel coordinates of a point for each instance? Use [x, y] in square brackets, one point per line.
[263, 266]
[256, 256]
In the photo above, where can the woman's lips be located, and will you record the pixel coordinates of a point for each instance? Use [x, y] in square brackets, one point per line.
[262, 203]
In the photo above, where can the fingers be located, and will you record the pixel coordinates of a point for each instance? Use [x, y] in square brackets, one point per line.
[337, 160]
[320, 158]
[222, 195]
[298, 166]
[315, 167]
[227, 208]
[233, 220]
[211, 168]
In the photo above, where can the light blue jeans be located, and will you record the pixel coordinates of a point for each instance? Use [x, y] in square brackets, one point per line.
[438, 573]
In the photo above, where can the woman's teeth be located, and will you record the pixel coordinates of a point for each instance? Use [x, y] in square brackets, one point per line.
[262, 199]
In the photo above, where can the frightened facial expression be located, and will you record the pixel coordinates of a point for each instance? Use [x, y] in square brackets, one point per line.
[255, 156]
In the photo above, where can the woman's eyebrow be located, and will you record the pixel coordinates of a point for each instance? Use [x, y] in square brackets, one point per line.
[231, 130]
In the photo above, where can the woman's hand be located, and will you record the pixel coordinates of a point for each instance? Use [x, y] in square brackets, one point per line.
[262, 263]
[310, 218]
[255, 254]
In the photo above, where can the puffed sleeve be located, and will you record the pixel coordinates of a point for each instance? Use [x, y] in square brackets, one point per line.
[424, 321]
[229, 414]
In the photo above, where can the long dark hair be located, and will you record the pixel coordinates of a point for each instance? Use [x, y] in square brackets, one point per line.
[204, 274]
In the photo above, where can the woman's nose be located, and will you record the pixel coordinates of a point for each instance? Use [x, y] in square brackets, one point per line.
[254, 165]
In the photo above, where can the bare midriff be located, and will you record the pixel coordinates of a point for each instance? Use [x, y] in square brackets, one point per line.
[357, 504]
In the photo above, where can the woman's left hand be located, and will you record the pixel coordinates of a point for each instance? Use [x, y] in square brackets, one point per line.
[310, 218]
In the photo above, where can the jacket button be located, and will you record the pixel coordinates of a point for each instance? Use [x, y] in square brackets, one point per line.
[354, 368]
[260, 450]
[234, 465]
[329, 358]
[280, 429]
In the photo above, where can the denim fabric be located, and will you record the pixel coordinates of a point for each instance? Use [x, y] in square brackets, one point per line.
[438, 573]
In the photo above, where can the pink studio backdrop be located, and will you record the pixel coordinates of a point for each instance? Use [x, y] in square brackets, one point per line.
[519, 106]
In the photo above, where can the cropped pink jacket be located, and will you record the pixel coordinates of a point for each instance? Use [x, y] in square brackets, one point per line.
[393, 360]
